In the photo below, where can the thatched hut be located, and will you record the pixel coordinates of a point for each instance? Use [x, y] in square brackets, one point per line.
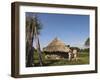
[56, 50]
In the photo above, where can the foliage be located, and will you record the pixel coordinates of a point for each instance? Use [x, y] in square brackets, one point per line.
[87, 42]
[85, 50]
[33, 21]
[75, 48]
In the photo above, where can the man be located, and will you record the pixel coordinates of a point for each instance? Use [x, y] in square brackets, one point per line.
[70, 55]
[75, 54]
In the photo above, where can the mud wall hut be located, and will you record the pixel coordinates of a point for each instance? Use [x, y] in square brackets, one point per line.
[56, 50]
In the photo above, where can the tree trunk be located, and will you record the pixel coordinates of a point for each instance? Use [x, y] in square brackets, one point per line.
[29, 47]
[38, 48]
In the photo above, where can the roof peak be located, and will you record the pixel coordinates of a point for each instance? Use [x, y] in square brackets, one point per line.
[56, 45]
[56, 38]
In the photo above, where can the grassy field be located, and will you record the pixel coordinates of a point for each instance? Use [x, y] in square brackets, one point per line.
[82, 59]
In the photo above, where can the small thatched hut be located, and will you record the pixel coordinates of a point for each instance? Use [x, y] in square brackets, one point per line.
[56, 50]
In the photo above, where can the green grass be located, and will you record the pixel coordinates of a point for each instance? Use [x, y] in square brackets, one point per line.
[82, 59]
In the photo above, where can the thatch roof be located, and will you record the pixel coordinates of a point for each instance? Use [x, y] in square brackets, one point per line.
[56, 46]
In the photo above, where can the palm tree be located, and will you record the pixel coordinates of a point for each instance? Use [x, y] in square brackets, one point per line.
[33, 27]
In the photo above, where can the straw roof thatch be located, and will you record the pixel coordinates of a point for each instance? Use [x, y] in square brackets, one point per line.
[56, 46]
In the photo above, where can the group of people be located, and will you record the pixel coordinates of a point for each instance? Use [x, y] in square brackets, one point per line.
[73, 55]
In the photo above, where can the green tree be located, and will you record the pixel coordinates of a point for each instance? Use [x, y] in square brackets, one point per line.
[87, 42]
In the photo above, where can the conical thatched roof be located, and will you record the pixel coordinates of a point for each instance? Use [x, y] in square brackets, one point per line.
[56, 46]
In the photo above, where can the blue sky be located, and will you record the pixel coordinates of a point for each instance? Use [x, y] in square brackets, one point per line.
[73, 30]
